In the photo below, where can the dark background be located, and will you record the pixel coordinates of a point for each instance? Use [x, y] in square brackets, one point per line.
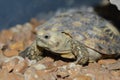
[14, 12]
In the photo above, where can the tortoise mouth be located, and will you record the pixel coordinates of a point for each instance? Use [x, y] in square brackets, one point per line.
[41, 40]
[42, 43]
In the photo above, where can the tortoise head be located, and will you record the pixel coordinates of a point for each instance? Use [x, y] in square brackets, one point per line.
[54, 41]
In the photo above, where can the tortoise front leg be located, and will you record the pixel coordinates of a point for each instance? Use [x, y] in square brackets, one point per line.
[33, 52]
[80, 52]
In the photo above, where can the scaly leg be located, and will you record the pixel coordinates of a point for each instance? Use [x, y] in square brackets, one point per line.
[80, 52]
[32, 52]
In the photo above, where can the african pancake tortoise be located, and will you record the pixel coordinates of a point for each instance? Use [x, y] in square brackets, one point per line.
[76, 34]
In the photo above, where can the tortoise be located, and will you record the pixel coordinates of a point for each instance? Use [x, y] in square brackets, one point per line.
[79, 34]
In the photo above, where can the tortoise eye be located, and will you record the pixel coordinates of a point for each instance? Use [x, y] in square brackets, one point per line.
[46, 36]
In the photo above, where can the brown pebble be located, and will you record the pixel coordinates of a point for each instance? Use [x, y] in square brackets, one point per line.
[83, 77]
[106, 61]
[14, 76]
[62, 74]
[30, 74]
[17, 46]
[59, 63]
[20, 68]
[10, 53]
[9, 66]
[116, 73]
[45, 75]
[3, 74]
[6, 35]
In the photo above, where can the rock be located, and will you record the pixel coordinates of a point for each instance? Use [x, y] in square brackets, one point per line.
[106, 61]
[30, 74]
[1, 46]
[59, 63]
[39, 66]
[83, 77]
[2, 59]
[10, 53]
[10, 64]
[22, 33]
[62, 74]
[14, 76]
[113, 66]
[69, 71]
[5, 36]
[19, 46]
[21, 66]
[3, 74]
[94, 66]
[46, 75]
[47, 62]
[116, 73]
